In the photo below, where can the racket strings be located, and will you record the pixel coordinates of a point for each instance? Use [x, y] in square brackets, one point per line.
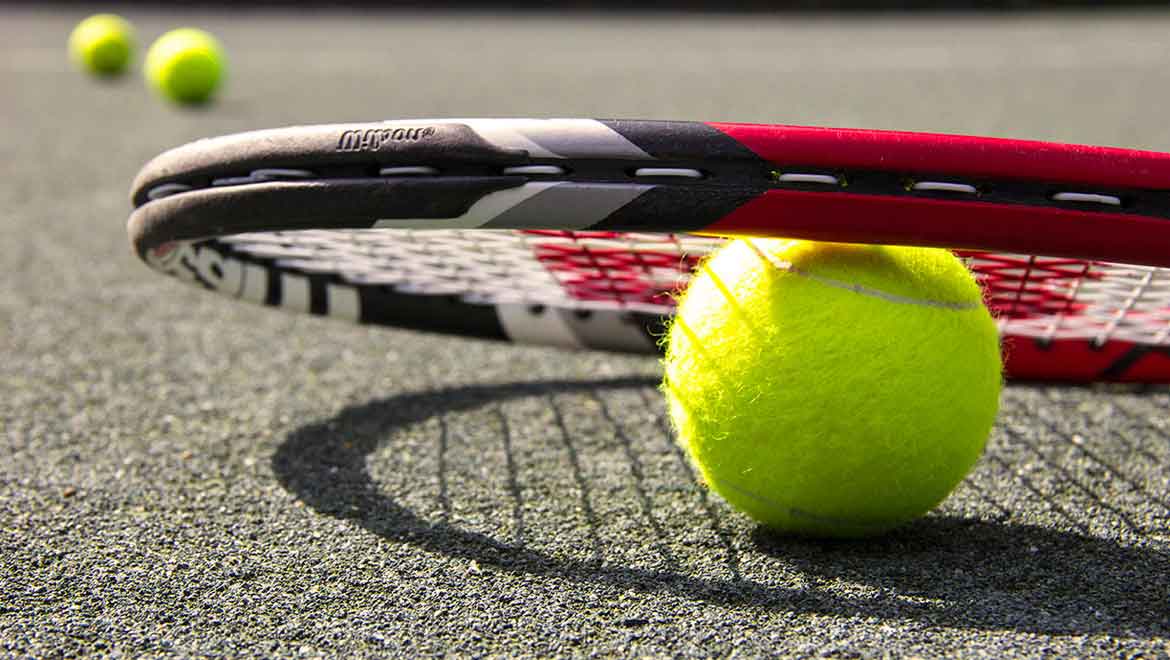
[1046, 298]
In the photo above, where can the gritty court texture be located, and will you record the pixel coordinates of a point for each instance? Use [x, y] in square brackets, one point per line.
[185, 474]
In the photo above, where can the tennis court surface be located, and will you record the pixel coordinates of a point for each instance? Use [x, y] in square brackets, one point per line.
[182, 474]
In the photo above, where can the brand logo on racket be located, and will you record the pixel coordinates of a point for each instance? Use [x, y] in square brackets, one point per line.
[372, 139]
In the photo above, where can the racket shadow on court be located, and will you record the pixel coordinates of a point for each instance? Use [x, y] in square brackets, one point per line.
[941, 570]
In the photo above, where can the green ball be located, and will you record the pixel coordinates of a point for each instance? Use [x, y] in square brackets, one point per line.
[102, 44]
[832, 390]
[185, 65]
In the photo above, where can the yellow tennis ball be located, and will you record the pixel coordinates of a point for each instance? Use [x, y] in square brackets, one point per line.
[832, 390]
[186, 65]
[102, 44]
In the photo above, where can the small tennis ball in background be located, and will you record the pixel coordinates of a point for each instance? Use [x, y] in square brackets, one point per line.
[103, 44]
[832, 390]
[186, 66]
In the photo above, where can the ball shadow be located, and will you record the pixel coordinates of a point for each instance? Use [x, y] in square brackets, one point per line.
[940, 571]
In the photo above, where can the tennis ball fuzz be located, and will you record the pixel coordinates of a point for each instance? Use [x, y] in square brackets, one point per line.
[832, 390]
[185, 66]
[102, 44]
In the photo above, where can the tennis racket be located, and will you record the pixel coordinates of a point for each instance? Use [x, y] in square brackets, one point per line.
[576, 232]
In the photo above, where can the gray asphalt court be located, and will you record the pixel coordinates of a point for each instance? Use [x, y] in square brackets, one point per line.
[186, 475]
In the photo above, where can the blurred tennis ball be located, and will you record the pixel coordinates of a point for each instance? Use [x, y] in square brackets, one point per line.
[832, 390]
[102, 44]
[186, 66]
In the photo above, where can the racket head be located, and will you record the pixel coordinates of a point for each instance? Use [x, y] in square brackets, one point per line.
[579, 232]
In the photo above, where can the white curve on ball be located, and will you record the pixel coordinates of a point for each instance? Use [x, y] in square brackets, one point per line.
[859, 289]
